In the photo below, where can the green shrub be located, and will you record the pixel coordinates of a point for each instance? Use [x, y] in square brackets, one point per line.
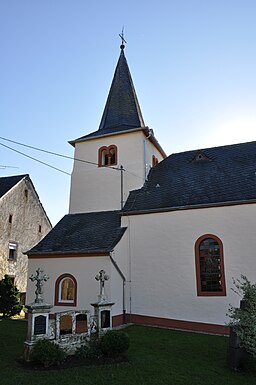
[47, 353]
[114, 343]
[243, 319]
[91, 350]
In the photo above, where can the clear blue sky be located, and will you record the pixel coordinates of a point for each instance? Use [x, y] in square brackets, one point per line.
[193, 63]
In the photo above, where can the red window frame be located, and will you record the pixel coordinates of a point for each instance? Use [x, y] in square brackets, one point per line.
[154, 160]
[58, 282]
[201, 254]
[110, 154]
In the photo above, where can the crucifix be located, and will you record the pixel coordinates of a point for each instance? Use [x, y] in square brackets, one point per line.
[102, 277]
[40, 278]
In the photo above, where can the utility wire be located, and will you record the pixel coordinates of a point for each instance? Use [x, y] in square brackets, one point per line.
[54, 153]
[57, 154]
[37, 160]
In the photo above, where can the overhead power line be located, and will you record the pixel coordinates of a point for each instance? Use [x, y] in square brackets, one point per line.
[52, 152]
[36, 160]
[56, 154]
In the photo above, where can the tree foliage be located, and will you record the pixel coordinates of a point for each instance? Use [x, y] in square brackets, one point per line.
[243, 319]
[9, 298]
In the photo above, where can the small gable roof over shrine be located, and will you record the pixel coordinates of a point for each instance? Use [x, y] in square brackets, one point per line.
[212, 176]
[95, 232]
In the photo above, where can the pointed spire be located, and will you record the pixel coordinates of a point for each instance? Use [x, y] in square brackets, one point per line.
[122, 111]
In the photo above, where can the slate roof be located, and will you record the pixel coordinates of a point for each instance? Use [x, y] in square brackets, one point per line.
[203, 177]
[122, 111]
[8, 182]
[82, 233]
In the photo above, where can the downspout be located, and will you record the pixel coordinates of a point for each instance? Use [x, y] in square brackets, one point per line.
[124, 280]
[145, 153]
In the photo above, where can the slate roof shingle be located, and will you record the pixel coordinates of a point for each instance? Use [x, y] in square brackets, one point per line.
[82, 233]
[122, 111]
[202, 177]
[8, 182]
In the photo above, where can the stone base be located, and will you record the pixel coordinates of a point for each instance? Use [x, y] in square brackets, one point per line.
[28, 346]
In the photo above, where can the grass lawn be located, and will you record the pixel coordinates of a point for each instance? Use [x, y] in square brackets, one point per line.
[156, 357]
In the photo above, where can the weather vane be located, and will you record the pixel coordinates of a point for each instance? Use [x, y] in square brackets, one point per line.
[122, 38]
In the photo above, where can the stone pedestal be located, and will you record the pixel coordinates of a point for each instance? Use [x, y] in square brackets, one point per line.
[38, 322]
[102, 314]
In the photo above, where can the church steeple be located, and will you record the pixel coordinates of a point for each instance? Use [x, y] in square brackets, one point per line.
[118, 155]
[122, 111]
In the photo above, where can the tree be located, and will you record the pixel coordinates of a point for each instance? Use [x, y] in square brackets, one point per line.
[9, 298]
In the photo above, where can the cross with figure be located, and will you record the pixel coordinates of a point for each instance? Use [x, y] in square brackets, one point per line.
[102, 277]
[40, 278]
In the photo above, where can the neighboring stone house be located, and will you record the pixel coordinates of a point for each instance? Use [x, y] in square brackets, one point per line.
[23, 223]
[172, 245]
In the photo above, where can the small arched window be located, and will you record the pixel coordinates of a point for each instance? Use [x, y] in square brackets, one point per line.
[107, 156]
[112, 155]
[104, 157]
[210, 273]
[65, 290]
[154, 161]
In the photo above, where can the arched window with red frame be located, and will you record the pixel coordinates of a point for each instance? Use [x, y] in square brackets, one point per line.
[66, 290]
[107, 156]
[210, 274]
[154, 160]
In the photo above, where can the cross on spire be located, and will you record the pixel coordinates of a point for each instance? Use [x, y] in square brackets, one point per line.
[122, 39]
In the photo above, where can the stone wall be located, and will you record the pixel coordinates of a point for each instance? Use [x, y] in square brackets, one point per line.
[23, 222]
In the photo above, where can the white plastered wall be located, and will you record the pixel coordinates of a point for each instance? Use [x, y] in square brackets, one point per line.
[96, 188]
[162, 260]
[84, 269]
[120, 286]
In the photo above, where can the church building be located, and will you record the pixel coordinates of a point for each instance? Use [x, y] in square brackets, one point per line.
[170, 232]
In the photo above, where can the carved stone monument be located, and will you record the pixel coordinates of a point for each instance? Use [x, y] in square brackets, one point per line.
[102, 308]
[38, 314]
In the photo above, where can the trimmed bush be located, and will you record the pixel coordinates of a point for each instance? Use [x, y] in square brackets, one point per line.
[92, 350]
[47, 353]
[114, 343]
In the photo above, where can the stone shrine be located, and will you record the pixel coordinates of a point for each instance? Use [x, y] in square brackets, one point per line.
[38, 315]
[102, 308]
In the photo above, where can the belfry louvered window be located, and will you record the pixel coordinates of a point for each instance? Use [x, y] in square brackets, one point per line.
[107, 156]
[210, 274]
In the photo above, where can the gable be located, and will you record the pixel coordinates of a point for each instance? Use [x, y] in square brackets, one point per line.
[8, 182]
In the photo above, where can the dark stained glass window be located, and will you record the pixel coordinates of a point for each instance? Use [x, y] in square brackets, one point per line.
[210, 266]
[210, 271]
